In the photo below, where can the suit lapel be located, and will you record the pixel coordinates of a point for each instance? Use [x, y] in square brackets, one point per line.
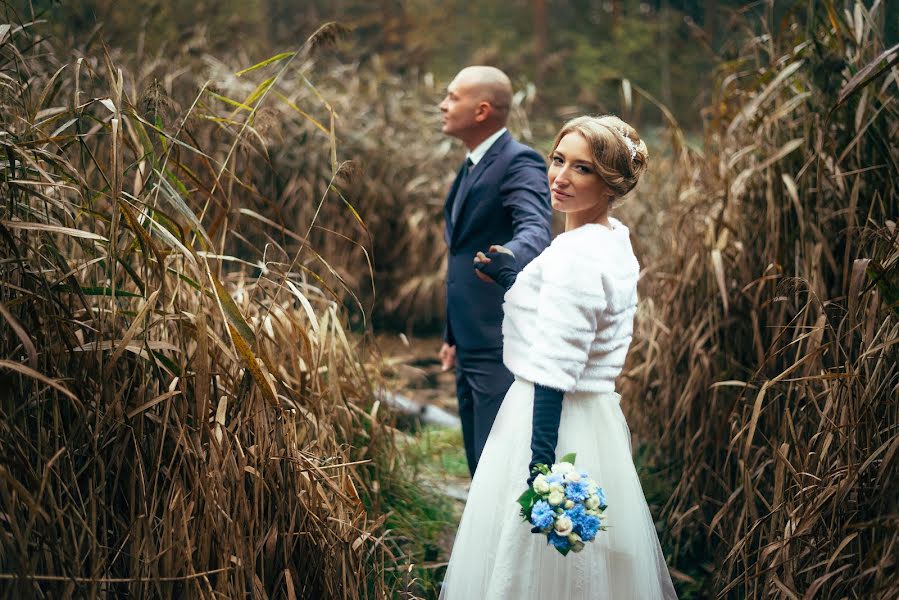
[472, 179]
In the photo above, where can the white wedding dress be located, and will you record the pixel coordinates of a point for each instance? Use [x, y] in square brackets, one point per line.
[568, 322]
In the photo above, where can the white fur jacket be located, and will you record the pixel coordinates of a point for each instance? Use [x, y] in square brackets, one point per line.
[569, 317]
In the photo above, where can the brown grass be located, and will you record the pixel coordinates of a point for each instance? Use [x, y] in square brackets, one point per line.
[179, 385]
[766, 355]
[173, 423]
[389, 214]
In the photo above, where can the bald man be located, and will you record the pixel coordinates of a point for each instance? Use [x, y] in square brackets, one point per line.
[500, 196]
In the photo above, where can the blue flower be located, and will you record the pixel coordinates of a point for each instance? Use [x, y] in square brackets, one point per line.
[553, 478]
[542, 515]
[577, 491]
[587, 527]
[575, 513]
[557, 540]
[602, 498]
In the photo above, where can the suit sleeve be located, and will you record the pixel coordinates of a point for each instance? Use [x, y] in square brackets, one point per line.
[525, 197]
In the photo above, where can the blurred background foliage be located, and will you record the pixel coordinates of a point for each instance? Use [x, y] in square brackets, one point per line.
[575, 51]
[761, 386]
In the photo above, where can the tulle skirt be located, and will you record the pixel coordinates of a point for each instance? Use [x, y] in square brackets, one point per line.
[495, 556]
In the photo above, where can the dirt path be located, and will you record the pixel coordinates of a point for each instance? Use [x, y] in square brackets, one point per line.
[416, 370]
[425, 399]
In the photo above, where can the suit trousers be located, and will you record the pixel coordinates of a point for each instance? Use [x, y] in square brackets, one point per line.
[482, 381]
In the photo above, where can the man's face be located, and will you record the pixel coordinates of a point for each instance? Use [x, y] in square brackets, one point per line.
[461, 108]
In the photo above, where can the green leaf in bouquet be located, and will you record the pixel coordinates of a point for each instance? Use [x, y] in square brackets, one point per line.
[563, 551]
[569, 458]
[527, 500]
[540, 469]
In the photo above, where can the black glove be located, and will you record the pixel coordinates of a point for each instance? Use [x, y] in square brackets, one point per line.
[502, 268]
[545, 427]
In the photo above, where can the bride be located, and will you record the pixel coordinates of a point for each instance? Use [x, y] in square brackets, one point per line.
[567, 327]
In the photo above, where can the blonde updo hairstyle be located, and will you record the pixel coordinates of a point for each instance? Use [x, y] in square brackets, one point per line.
[611, 154]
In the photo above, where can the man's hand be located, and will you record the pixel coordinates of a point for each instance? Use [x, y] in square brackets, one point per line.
[480, 257]
[498, 265]
[447, 357]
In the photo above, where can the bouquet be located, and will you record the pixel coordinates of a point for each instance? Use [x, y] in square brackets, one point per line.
[565, 505]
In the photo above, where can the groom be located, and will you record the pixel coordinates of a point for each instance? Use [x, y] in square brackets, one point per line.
[500, 196]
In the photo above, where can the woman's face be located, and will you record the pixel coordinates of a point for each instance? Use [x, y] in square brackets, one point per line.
[574, 184]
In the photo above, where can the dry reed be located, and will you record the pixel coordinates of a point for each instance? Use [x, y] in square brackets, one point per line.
[389, 125]
[765, 363]
[175, 421]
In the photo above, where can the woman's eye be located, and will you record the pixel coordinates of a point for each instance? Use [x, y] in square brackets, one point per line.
[583, 169]
[557, 160]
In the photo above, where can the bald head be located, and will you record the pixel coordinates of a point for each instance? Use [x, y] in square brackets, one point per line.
[477, 104]
[491, 85]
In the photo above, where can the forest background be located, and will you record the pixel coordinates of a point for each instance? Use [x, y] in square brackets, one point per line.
[208, 208]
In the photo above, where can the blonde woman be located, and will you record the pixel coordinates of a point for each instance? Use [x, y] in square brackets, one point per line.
[566, 330]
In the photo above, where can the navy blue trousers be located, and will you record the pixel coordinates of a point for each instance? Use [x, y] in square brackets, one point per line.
[482, 381]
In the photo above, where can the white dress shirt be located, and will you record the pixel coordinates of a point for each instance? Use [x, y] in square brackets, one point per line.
[478, 153]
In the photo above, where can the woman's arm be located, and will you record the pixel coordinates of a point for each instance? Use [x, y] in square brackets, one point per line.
[545, 427]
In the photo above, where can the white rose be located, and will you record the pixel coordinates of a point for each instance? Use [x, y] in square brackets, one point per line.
[563, 468]
[569, 504]
[573, 476]
[556, 487]
[556, 498]
[564, 526]
[592, 502]
[541, 486]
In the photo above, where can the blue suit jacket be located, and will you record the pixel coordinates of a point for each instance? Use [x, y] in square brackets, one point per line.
[505, 200]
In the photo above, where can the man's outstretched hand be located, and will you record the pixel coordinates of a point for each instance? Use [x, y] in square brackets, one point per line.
[481, 259]
[497, 266]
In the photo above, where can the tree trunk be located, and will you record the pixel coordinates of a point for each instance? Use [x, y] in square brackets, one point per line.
[616, 17]
[540, 35]
[710, 22]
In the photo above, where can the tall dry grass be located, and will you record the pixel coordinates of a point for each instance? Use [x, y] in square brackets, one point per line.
[766, 357]
[401, 167]
[175, 421]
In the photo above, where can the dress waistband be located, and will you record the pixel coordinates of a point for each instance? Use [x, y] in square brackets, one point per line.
[577, 395]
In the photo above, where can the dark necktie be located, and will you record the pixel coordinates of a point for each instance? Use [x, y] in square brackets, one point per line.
[457, 201]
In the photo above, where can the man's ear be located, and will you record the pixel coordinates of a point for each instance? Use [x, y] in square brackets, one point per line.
[483, 111]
